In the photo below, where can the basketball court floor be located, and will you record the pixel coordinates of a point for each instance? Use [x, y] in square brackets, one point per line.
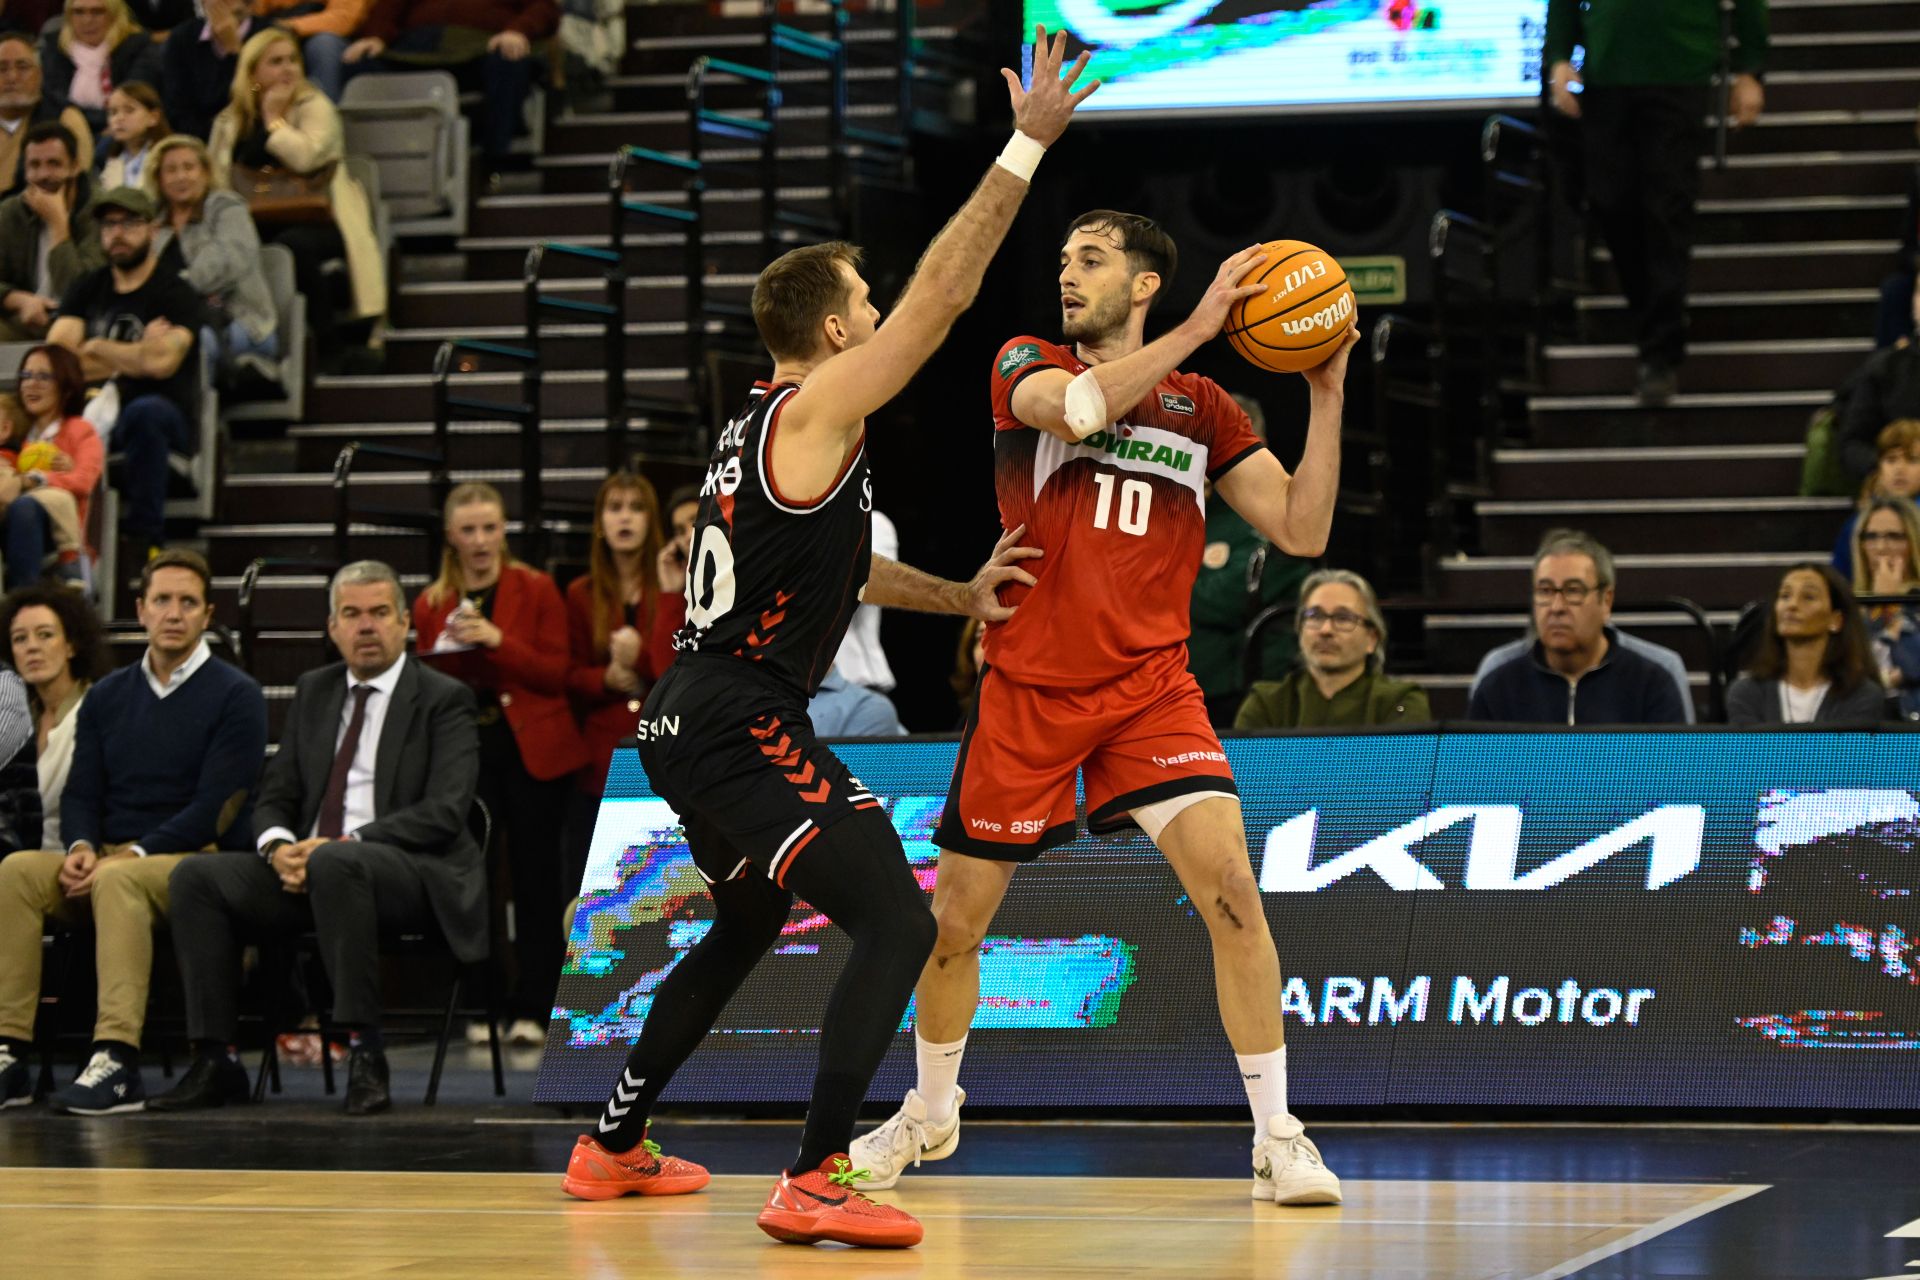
[472, 1188]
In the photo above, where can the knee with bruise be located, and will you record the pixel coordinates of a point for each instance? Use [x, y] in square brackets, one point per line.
[1235, 903]
[954, 934]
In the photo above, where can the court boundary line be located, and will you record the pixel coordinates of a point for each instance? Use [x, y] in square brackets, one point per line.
[1754, 1126]
[1672, 1222]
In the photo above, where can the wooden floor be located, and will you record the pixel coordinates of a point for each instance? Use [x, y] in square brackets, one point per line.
[138, 1223]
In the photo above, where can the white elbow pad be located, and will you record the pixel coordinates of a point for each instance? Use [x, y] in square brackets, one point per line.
[1085, 407]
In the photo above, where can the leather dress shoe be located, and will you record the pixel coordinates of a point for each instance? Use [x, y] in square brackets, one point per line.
[209, 1082]
[367, 1091]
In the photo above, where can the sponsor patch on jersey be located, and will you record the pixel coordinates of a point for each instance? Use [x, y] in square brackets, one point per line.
[1171, 403]
[1019, 358]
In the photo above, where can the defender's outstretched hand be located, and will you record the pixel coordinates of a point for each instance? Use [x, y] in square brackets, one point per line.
[1043, 112]
[982, 594]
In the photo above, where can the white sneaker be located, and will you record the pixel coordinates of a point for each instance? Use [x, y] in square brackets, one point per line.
[1287, 1167]
[906, 1139]
[525, 1033]
[477, 1032]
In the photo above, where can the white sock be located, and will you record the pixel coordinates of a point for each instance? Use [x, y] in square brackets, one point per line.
[1265, 1077]
[939, 1068]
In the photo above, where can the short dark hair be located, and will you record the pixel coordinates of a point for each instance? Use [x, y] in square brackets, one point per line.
[177, 558]
[90, 658]
[798, 290]
[685, 493]
[52, 131]
[1145, 242]
[69, 379]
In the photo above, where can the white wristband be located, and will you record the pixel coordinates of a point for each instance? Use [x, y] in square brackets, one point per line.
[1021, 156]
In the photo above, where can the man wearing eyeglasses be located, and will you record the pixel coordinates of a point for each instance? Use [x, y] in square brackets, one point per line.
[23, 104]
[1340, 681]
[1578, 669]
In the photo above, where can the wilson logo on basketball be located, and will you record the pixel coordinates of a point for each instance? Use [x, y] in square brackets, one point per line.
[1332, 316]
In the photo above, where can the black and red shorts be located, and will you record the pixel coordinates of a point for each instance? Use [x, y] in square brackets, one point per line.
[733, 752]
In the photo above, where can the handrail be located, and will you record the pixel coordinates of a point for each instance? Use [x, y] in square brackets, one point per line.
[246, 632]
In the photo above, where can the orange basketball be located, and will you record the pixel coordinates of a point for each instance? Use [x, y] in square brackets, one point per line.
[1303, 315]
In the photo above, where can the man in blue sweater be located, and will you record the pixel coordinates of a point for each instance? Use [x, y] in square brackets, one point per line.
[167, 756]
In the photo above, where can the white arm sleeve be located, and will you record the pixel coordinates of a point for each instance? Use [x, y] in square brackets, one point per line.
[1085, 406]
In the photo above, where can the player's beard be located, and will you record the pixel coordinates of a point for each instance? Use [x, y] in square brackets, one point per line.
[1098, 321]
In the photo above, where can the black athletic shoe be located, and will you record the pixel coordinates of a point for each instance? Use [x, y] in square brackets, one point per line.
[209, 1082]
[367, 1091]
[16, 1079]
[105, 1087]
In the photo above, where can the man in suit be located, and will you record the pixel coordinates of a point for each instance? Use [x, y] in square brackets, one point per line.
[363, 833]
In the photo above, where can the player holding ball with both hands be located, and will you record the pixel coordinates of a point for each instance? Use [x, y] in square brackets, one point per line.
[1103, 450]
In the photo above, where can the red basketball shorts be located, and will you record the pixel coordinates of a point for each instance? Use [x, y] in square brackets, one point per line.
[1138, 740]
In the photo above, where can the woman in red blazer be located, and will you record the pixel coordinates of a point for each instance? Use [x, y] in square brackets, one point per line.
[502, 628]
[621, 616]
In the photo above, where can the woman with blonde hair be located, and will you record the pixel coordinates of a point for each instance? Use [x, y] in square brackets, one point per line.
[1895, 475]
[1886, 562]
[279, 146]
[501, 627]
[220, 247]
[98, 47]
[135, 121]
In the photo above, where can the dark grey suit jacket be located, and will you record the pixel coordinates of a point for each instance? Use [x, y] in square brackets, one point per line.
[424, 776]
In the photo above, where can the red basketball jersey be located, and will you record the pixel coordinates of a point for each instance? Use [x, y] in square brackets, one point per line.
[1121, 516]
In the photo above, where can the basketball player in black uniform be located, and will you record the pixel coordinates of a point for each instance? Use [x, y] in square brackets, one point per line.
[781, 556]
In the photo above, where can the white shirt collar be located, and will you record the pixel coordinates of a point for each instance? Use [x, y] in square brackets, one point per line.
[181, 674]
[386, 682]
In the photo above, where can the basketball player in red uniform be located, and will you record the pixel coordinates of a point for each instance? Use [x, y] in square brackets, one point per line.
[781, 557]
[1103, 450]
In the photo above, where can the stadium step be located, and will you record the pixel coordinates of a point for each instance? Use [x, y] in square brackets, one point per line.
[1745, 317]
[563, 217]
[1798, 17]
[1867, 173]
[1834, 129]
[1774, 364]
[604, 134]
[1661, 524]
[648, 253]
[1872, 89]
[730, 167]
[426, 304]
[562, 346]
[1713, 580]
[408, 397]
[310, 496]
[1793, 265]
[564, 443]
[1679, 471]
[1726, 417]
[1895, 45]
[1799, 217]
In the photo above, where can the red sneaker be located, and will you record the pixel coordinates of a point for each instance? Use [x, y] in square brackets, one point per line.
[823, 1204]
[595, 1173]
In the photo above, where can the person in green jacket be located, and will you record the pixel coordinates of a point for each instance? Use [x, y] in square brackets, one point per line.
[1340, 681]
[1241, 573]
[47, 236]
[1642, 96]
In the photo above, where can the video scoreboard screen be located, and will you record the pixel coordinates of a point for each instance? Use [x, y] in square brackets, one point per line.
[1662, 919]
[1169, 57]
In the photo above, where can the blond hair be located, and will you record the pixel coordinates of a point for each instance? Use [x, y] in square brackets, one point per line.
[1909, 528]
[150, 176]
[452, 582]
[119, 28]
[240, 103]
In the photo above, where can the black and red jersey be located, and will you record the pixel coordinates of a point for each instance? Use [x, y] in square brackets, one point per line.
[771, 580]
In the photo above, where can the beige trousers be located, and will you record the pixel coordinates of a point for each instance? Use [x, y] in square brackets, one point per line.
[128, 898]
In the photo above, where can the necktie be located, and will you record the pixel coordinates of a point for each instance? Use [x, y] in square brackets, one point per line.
[333, 805]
